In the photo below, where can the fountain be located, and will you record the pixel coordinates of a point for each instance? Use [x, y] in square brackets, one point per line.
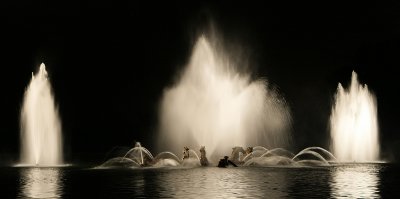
[215, 105]
[140, 156]
[136, 154]
[41, 143]
[354, 124]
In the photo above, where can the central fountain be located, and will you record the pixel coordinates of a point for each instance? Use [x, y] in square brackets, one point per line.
[41, 143]
[215, 105]
[354, 124]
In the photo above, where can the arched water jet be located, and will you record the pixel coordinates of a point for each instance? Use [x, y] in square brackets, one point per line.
[313, 153]
[248, 156]
[191, 151]
[256, 148]
[269, 161]
[167, 153]
[140, 149]
[283, 157]
[278, 151]
[139, 156]
[254, 153]
[326, 152]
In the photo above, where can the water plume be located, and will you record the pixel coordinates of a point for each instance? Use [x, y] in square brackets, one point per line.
[215, 105]
[354, 123]
[40, 124]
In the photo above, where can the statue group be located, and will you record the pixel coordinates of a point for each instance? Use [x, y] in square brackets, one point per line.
[236, 158]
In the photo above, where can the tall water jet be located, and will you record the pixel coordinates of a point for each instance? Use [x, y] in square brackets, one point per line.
[354, 123]
[215, 105]
[40, 124]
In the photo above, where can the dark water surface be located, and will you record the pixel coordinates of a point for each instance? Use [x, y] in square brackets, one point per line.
[340, 181]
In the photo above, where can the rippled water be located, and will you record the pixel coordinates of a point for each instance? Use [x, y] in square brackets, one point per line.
[339, 181]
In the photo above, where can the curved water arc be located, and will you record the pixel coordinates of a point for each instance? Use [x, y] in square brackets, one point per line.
[141, 149]
[175, 157]
[331, 156]
[313, 153]
[273, 152]
[259, 148]
[194, 152]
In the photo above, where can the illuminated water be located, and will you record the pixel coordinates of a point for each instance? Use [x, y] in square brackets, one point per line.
[41, 143]
[140, 156]
[354, 124]
[340, 181]
[214, 105]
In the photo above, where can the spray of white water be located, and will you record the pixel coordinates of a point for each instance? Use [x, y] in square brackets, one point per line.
[354, 123]
[40, 124]
[214, 105]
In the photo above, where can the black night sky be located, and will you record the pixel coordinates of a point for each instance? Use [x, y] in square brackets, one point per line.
[110, 62]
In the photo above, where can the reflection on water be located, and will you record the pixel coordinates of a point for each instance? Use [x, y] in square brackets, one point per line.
[355, 181]
[338, 181]
[40, 183]
[222, 183]
[209, 182]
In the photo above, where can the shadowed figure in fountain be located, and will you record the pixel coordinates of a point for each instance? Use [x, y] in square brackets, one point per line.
[203, 158]
[223, 163]
[238, 154]
[185, 153]
[190, 157]
[249, 150]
